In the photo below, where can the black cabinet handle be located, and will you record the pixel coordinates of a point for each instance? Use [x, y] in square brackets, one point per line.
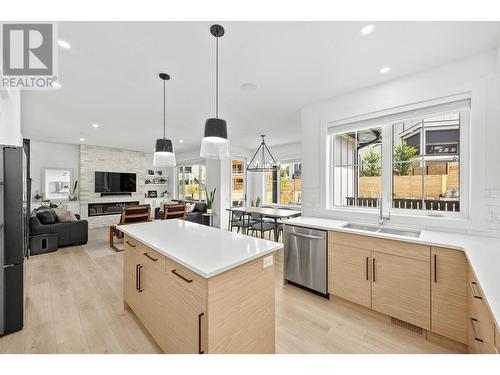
[130, 244]
[367, 259]
[150, 257]
[474, 330]
[182, 277]
[136, 277]
[435, 268]
[199, 333]
[373, 271]
[139, 268]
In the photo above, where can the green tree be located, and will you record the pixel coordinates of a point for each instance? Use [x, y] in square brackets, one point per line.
[371, 164]
[403, 155]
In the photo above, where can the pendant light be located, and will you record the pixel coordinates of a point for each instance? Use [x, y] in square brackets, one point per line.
[215, 144]
[164, 155]
[263, 160]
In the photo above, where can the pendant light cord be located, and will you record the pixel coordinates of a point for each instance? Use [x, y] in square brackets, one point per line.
[216, 77]
[164, 109]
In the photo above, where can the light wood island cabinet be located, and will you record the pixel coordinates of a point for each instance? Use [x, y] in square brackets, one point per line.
[230, 312]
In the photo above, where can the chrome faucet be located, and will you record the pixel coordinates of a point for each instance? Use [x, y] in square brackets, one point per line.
[382, 218]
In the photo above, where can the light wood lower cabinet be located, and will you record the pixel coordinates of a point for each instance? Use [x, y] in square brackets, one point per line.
[449, 293]
[481, 327]
[401, 289]
[350, 274]
[232, 312]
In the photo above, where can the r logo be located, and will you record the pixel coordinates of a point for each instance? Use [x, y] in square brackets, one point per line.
[27, 49]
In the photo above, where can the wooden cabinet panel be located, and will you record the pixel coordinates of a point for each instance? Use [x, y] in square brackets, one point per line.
[145, 254]
[187, 279]
[401, 288]
[399, 248]
[130, 279]
[479, 316]
[186, 321]
[449, 293]
[349, 273]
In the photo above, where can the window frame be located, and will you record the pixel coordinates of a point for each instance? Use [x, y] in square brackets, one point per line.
[290, 160]
[385, 121]
[198, 163]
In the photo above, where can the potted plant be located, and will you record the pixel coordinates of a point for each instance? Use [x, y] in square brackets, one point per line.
[257, 202]
[210, 200]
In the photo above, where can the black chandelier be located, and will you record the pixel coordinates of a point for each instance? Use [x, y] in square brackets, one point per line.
[263, 160]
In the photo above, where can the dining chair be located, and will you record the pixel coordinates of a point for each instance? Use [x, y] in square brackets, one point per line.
[130, 215]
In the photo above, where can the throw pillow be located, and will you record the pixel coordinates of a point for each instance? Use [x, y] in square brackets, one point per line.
[46, 216]
[190, 207]
[64, 215]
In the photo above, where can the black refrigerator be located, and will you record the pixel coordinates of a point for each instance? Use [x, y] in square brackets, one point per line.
[14, 234]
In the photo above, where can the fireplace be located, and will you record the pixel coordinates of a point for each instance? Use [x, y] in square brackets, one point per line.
[114, 208]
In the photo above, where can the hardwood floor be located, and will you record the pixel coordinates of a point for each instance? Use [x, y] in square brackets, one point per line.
[74, 305]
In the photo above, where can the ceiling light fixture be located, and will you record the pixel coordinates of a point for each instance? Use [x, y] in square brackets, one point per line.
[64, 44]
[215, 144]
[385, 70]
[82, 139]
[164, 155]
[95, 126]
[367, 30]
[181, 140]
[56, 85]
[263, 160]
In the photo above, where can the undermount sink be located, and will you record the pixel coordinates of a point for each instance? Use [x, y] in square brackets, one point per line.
[393, 231]
[367, 228]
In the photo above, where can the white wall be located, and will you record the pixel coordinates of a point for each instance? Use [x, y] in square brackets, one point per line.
[478, 75]
[10, 117]
[52, 155]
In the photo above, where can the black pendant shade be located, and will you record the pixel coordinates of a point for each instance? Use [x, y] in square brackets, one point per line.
[216, 127]
[164, 155]
[214, 144]
[164, 145]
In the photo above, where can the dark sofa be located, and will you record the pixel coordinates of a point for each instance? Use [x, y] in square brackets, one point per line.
[70, 233]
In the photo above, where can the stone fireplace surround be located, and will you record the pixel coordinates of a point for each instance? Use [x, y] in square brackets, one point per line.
[95, 158]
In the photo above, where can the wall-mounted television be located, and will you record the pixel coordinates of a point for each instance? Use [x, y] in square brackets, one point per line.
[115, 182]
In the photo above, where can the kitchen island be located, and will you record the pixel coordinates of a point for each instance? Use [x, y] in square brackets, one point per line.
[198, 289]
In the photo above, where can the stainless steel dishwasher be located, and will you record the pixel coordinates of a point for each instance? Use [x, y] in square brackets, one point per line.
[305, 260]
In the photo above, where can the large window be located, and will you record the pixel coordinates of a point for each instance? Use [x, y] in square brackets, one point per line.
[411, 160]
[191, 182]
[238, 195]
[284, 187]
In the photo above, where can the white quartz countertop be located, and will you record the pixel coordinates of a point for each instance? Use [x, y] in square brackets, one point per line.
[483, 253]
[205, 250]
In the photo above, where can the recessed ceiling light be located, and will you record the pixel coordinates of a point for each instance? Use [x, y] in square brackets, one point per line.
[64, 44]
[95, 126]
[385, 70]
[248, 87]
[82, 139]
[368, 29]
[181, 140]
[57, 85]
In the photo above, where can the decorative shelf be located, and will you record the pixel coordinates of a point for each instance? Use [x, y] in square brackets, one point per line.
[155, 184]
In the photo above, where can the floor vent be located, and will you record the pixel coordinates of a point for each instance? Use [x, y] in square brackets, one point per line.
[407, 326]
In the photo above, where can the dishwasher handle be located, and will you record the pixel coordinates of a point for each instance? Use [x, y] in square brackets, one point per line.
[306, 236]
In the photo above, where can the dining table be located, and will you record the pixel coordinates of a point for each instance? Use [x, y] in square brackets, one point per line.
[268, 212]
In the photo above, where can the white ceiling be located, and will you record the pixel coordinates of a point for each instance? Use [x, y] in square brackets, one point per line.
[110, 75]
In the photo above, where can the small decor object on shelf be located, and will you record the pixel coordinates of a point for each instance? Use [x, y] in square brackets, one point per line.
[148, 181]
[156, 181]
[151, 172]
[152, 194]
[257, 202]
[38, 196]
[163, 180]
[210, 200]
[159, 173]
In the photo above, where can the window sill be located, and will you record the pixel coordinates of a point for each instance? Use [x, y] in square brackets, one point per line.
[401, 213]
